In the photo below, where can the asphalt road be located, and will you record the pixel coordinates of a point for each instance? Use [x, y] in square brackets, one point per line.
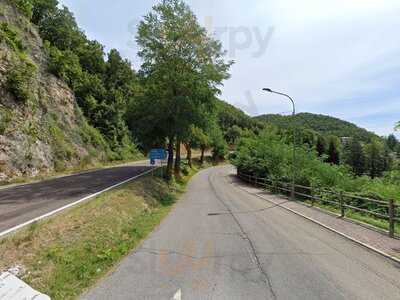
[23, 203]
[223, 243]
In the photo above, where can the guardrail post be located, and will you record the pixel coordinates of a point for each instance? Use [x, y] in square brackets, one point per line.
[391, 218]
[342, 208]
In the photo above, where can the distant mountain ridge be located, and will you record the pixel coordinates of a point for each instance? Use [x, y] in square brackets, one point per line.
[325, 125]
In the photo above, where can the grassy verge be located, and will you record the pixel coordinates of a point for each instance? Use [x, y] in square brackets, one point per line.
[66, 254]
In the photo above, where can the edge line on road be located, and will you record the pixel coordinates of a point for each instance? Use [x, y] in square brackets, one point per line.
[17, 185]
[393, 258]
[51, 213]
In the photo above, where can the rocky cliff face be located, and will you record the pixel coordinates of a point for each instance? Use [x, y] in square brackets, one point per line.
[41, 127]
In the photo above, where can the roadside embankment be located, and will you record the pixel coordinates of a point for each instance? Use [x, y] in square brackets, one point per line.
[66, 254]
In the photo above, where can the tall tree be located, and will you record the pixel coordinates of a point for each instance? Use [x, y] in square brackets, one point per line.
[392, 142]
[333, 152]
[42, 9]
[233, 134]
[321, 146]
[375, 158]
[353, 155]
[184, 65]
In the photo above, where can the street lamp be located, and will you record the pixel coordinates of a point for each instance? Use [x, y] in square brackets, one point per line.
[293, 192]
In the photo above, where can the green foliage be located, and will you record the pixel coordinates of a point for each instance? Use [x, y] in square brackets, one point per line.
[91, 57]
[218, 144]
[65, 64]
[19, 81]
[229, 115]
[25, 6]
[62, 147]
[321, 146]
[42, 9]
[102, 88]
[11, 36]
[376, 158]
[61, 30]
[392, 142]
[232, 134]
[321, 124]
[268, 155]
[182, 70]
[333, 152]
[354, 156]
[5, 119]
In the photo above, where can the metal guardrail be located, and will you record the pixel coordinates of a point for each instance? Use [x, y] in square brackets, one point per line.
[386, 210]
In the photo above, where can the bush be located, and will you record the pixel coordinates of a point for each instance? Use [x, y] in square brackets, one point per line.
[65, 65]
[268, 155]
[11, 37]
[25, 6]
[5, 120]
[19, 81]
[218, 144]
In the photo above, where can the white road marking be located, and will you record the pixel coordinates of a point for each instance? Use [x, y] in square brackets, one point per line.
[178, 295]
[8, 231]
[13, 288]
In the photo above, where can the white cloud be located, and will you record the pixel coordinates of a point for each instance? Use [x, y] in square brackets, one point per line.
[323, 52]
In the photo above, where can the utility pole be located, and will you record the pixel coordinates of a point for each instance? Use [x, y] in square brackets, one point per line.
[293, 191]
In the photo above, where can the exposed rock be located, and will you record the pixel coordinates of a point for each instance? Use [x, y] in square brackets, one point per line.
[47, 132]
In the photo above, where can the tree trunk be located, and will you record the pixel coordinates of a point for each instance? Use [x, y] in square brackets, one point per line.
[202, 155]
[170, 159]
[189, 154]
[177, 169]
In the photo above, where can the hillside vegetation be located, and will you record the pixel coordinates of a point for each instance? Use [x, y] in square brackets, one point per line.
[66, 102]
[42, 128]
[322, 124]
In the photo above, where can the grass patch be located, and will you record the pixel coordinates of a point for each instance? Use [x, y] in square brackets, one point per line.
[66, 254]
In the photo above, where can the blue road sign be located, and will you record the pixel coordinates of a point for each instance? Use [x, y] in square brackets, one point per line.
[157, 154]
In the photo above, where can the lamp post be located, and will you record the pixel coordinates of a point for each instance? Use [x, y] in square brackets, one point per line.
[293, 192]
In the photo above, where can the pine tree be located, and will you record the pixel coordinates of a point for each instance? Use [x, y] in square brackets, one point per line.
[375, 158]
[354, 157]
[392, 142]
[333, 153]
[320, 147]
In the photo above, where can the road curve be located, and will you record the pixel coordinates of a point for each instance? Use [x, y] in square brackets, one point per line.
[23, 203]
[223, 243]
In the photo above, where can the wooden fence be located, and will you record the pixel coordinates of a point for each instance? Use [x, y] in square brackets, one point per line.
[384, 210]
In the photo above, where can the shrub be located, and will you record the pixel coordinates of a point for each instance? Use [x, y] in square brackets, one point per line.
[65, 65]
[11, 37]
[25, 6]
[5, 119]
[269, 155]
[19, 81]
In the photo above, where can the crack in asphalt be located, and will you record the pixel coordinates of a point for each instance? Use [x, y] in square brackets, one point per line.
[361, 263]
[247, 211]
[258, 262]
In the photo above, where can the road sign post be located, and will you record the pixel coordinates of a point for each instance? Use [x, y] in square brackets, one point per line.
[158, 154]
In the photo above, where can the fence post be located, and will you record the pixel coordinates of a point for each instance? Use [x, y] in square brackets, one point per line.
[312, 197]
[391, 218]
[342, 208]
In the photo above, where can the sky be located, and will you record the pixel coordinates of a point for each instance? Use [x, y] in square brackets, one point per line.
[334, 57]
